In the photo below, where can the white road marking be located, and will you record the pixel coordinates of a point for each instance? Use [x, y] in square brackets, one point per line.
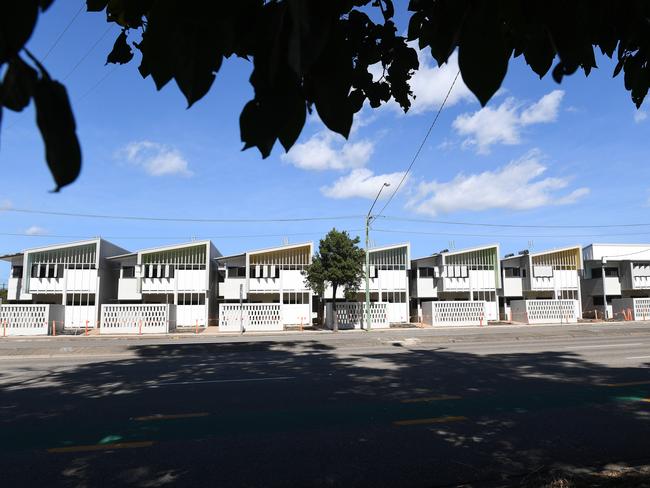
[639, 357]
[603, 345]
[238, 380]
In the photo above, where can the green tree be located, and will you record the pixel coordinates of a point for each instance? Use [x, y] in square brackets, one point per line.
[3, 295]
[338, 264]
[317, 54]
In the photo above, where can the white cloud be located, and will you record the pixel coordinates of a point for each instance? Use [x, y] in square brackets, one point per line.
[155, 158]
[35, 230]
[640, 116]
[430, 83]
[517, 186]
[362, 183]
[327, 150]
[503, 124]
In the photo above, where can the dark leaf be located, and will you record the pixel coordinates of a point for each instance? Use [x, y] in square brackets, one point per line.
[45, 4]
[16, 25]
[256, 128]
[483, 53]
[96, 5]
[57, 126]
[122, 52]
[18, 84]
[294, 120]
[618, 67]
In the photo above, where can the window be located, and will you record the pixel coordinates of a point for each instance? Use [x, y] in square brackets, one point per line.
[427, 272]
[80, 299]
[17, 272]
[128, 272]
[609, 272]
[598, 301]
[294, 298]
[191, 298]
[221, 276]
[236, 272]
[393, 296]
[512, 272]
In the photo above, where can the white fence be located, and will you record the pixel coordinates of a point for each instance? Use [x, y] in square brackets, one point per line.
[250, 316]
[637, 308]
[351, 315]
[136, 319]
[21, 320]
[454, 313]
[545, 311]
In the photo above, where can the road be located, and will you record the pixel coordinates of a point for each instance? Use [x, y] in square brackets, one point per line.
[483, 407]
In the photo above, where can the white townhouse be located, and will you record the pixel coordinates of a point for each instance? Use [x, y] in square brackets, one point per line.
[162, 288]
[618, 276]
[389, 280]
[542, 287]
[265, 289]
[456, 287]
[65, 283]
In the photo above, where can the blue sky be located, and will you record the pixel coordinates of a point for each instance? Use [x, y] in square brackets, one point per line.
[539, 154]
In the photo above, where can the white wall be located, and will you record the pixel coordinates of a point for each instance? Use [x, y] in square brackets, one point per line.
[513, 286]
[128, 289]
[229, 289]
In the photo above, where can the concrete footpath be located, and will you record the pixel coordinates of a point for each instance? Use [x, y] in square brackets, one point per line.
[96, 345]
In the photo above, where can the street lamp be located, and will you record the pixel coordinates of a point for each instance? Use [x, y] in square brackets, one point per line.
[369, 218]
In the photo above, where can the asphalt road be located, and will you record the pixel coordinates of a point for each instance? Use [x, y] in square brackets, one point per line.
[484, 407]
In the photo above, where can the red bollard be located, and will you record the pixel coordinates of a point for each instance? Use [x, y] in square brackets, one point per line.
[140, 327]
[4, 328]
[196, 330]
[54, 328]
[86, 328]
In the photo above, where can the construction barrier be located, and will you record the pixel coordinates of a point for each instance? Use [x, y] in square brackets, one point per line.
[631, 308]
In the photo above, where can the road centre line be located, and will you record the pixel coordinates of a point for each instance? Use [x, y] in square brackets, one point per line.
[639, 357]
[101, 447]
[171, 416]
[237, 380]
[431, 420]
[596, 346]
[629, 383]
[431, 399]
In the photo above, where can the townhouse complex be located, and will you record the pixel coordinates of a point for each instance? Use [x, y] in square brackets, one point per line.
[95, 284]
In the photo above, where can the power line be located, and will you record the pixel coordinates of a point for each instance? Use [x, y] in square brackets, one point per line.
[176, 219]
[503, 236]
[417, 153]
[96, 84]
[516, 226]
[56, 41]
[87, 53]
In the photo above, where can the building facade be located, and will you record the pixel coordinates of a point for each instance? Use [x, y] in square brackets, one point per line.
[542, 286]
[614, 272]
[269, 285]
[467, 275]
[76, 276]
[181, 276]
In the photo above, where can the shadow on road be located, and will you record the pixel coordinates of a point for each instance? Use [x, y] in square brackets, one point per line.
[301, 413]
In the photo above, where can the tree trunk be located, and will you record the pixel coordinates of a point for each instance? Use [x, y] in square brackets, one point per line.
[335, 322]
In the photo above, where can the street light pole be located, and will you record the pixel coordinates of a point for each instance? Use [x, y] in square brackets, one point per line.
[369, 218]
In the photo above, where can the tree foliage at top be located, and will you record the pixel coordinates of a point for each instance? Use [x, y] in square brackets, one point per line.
[338, 263]
[315, 54]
